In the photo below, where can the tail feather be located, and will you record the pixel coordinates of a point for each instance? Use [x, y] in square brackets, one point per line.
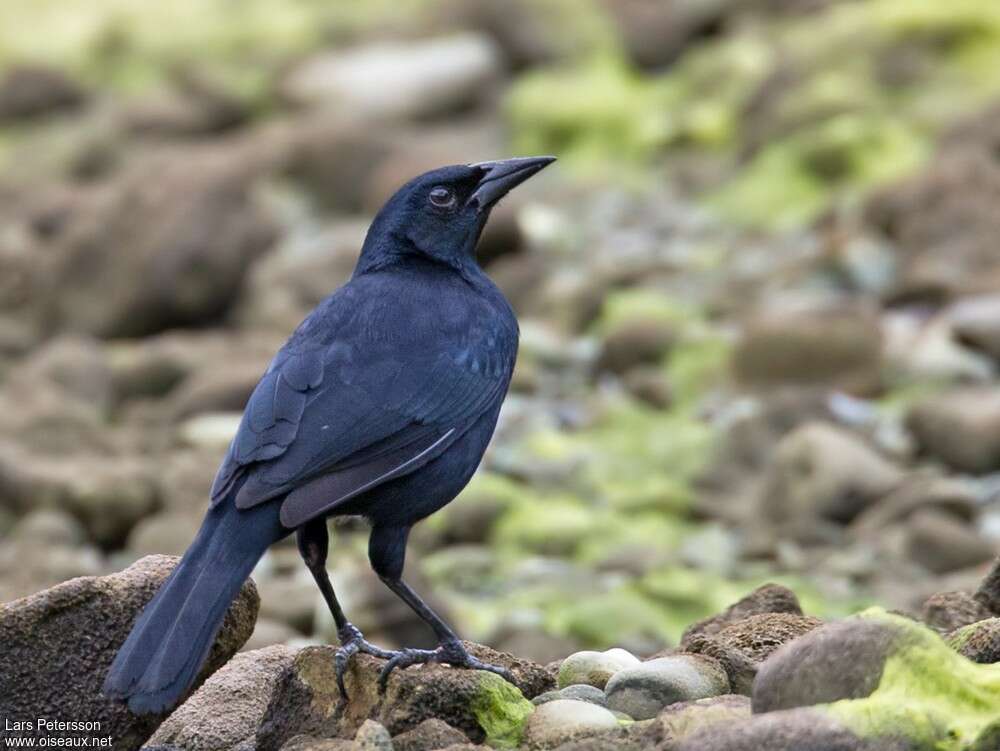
[171, 639]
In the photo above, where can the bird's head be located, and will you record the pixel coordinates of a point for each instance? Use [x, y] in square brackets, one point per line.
[441, 213]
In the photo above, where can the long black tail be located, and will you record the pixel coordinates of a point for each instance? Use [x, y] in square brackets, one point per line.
[172, 637]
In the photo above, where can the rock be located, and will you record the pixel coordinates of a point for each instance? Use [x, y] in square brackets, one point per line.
[372, 736]
[920, 490]
[557, 722]
[67, 636]
[941, 543]
[594, 668]
[397, 80]
[49, 527]
[838, 347]
[678, 721]
[31, 90]
[309, 743]
[290, 600]
[743, 645]
[947, 611]
[213, 389]
[148, 255]
[107, 495]
[516, 28]
[767, 598]
[335, 162]
[209, 430]
[268, 632]
[427, 736]
[988, 592]
[799, 674]
[979, 641]
[304, 699]
[225, 713]
[960, 427]
[194, 106]
[822, 471]
[635, 342]
[795, 730]
[27, 567]
[167, 533]
[286, 285]
[656, 34]
[576, 692]
[891, 680]
[641, 692]
[76, 365]
[976, 324]
[650, 386]
[533, 642]
[943, 225]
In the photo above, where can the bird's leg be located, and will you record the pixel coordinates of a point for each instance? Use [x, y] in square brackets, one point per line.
[387, 551]
[313, 541]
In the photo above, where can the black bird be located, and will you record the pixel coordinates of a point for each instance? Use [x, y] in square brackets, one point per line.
[380, 404]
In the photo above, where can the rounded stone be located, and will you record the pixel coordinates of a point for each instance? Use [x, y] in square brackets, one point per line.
[594, 668]
[563, 720]
[641, 692]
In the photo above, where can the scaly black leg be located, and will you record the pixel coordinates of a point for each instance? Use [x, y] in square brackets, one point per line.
[387, 552]
[313, 541]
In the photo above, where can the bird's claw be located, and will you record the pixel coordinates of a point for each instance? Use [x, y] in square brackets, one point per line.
[452, 653]
[352, 642]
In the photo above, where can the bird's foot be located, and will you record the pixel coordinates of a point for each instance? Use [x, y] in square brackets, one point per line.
[451, 652]
[352, 642]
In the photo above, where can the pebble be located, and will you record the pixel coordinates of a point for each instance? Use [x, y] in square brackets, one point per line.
[563, 720]
[641, 692]
[594, 668]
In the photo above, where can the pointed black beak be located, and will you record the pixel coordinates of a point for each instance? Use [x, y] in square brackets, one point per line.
[500, 177]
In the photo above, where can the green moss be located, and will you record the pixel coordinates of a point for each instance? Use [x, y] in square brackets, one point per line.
[131, 44]
[804, 110]
[928, 694]
[551, 526]
[578, 111]
[501, 711]
[960, 638]
[605, 619]
[622, 307]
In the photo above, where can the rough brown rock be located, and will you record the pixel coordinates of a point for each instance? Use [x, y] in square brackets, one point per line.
[792, 730]
[300, 697]
[835, 347]
[943, 224]
[980, 641]
[58, 645]
[767, 598]
[743, 645]
[678, 721]
[224, 714]
[429, 735]
[960, 427]
[32, 90]
[941, 543]
[840, 660]
[946, 611]
[147, 255]
[820, 471]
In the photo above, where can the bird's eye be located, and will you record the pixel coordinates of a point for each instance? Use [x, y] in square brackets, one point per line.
[442, 197]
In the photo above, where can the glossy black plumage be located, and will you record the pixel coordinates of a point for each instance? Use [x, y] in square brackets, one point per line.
[380, 404]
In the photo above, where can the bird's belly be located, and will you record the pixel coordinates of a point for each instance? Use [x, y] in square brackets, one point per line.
[410, 498]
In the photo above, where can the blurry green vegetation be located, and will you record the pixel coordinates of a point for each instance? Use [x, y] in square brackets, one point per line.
[133, 44]
[940, 699]
[803, 111]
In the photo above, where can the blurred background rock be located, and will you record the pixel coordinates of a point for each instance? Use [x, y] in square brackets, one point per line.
[759, 296]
